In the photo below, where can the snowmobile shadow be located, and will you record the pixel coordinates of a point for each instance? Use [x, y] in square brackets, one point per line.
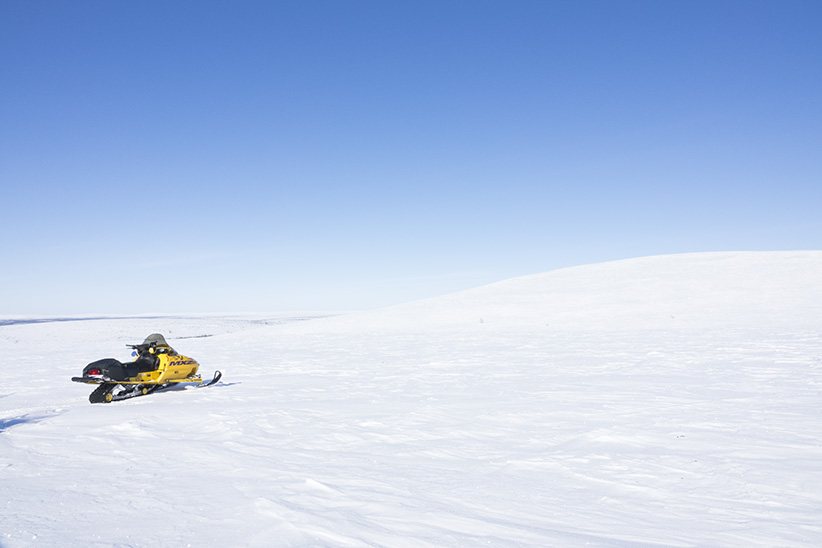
[177, 387]
[227, 383]
[29, 418]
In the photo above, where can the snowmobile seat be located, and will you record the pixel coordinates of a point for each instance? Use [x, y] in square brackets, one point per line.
[112, 369]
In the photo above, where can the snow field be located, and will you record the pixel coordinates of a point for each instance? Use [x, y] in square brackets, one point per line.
[428, 429]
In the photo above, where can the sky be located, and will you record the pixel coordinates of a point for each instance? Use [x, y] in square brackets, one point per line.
[250, 156]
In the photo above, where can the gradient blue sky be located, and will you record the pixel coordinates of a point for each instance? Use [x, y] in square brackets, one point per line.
[204, 156]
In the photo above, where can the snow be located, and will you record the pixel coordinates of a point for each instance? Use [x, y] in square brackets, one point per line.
[664, 401]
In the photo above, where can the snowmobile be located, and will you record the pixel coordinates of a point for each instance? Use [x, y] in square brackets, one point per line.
[156, 366]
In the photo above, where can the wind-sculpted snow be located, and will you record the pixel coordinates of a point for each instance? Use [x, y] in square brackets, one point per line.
[513, 431]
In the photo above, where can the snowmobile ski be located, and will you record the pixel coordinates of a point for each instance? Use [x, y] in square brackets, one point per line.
[217, 376]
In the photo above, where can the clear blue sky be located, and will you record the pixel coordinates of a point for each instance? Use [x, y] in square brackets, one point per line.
[204, 156]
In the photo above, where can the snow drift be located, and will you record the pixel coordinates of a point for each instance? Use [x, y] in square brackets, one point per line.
[666, 401]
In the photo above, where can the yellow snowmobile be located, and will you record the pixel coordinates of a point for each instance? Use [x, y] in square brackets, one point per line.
[156, 366]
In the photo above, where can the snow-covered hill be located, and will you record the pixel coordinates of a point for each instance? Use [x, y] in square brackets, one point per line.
[695, 290]
[663, 401]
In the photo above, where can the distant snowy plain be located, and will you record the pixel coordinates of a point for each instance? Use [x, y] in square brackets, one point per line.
[671, 401]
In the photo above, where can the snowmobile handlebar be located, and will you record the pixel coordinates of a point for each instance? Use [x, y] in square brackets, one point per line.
[151, 347]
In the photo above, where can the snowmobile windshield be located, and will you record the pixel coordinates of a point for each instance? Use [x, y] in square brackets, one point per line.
[156, 339]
